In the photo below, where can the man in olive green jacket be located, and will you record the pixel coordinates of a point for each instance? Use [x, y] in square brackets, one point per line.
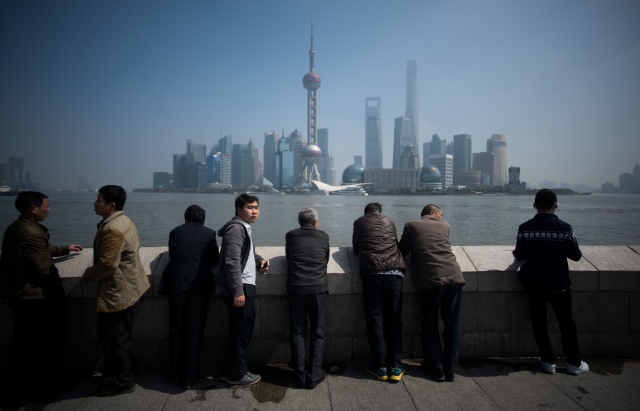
[30, 281]
[122, 281]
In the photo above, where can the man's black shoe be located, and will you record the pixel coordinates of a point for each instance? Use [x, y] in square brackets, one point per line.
[435, 373]
[312, 385]
[449, 376]
[109, 390]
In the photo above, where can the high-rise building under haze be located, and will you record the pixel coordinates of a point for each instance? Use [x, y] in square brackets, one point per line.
[411, 108]
[461, 152]
[324, 165]
[406, 127]
[497, 145]
[373, 133]
[402, 137]
[269, 155]
[311, 154]
[197, 150]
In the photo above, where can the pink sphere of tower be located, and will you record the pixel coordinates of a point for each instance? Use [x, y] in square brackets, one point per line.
[311, 81]
[311, 154]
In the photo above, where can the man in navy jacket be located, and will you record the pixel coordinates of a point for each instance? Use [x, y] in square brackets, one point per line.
[544, 243]
[187, 280]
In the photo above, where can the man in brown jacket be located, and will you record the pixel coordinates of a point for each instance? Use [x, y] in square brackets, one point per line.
[30, 281]
[121, 282]
[438, 279]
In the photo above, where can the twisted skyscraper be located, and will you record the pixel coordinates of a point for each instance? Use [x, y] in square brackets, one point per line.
[406, 127]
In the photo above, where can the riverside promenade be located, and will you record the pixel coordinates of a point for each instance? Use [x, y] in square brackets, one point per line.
[487, 384]
[497, 350]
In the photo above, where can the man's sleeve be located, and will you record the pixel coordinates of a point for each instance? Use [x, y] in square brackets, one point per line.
[106, 257]
[36, 249]
[354, 238]
[520, 252]
[233, 240]
[212, 249]
[404, 245]
[573, 250]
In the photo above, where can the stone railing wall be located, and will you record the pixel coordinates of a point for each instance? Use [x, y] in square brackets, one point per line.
[494, 320]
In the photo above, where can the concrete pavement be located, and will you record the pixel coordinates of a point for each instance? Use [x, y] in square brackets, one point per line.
[488, 384]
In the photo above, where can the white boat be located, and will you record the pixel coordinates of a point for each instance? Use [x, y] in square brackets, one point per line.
[350, 191]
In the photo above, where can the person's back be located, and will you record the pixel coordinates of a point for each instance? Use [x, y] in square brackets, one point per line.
[544, 243]
[307, 252]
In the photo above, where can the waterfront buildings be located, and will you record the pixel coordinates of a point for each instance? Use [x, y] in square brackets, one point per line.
[497, 145]
[324, 165]
[246, 168]
[373, 133]
[444, 163]
[386, 179]
[461, 152]
[162, 180]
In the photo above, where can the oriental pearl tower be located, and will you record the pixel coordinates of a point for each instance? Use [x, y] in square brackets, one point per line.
[311, 154]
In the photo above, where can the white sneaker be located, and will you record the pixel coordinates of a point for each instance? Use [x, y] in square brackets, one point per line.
[546, 367]
[573, 370]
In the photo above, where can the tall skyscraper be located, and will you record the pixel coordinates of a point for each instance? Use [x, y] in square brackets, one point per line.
[197, 150]
[402, 137]
[16, 171]
[461, 152]
[411, 108]
[285, 176]
[246, 166]
[438, 145]
[311, 154]
[324, 166]
[269, 155]
[484, 162]
[497, 145]
[372, 132]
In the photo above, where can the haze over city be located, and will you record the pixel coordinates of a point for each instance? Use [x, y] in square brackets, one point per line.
[111, 90]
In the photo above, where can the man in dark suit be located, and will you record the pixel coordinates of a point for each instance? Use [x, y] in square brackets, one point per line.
[307, 251]
[187, 280]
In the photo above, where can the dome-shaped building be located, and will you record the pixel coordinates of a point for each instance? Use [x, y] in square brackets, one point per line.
[354, 174]
[430, 178]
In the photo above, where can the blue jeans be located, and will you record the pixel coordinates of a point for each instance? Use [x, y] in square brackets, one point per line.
[447, 300]
[383, 311]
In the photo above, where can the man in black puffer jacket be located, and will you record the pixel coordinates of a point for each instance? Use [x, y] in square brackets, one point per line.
[382, 268]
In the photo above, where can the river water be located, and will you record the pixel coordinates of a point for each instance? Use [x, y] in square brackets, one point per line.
[597, 219]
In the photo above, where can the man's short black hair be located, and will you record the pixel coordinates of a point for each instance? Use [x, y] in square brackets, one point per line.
[194, 214]
[429, 208]
[545, 199]
[245, 198]
[28, 199]
[372, 207]
[114, 194]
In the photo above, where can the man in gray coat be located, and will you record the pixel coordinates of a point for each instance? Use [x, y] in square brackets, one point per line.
[438, 279]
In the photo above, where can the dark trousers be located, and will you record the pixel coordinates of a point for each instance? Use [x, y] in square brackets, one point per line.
[447, 299]
[188, 313]
[316, 307]
[383, 312]
[241, 321]
[36, 350]
[114, 332]
[562, 307]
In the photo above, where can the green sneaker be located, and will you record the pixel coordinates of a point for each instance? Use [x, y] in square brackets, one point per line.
[379, 373]
[396, 373]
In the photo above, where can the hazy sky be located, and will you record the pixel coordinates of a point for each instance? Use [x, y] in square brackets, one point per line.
[112, 89]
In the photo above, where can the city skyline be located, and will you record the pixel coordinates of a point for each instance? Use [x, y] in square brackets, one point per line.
[111, 91]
